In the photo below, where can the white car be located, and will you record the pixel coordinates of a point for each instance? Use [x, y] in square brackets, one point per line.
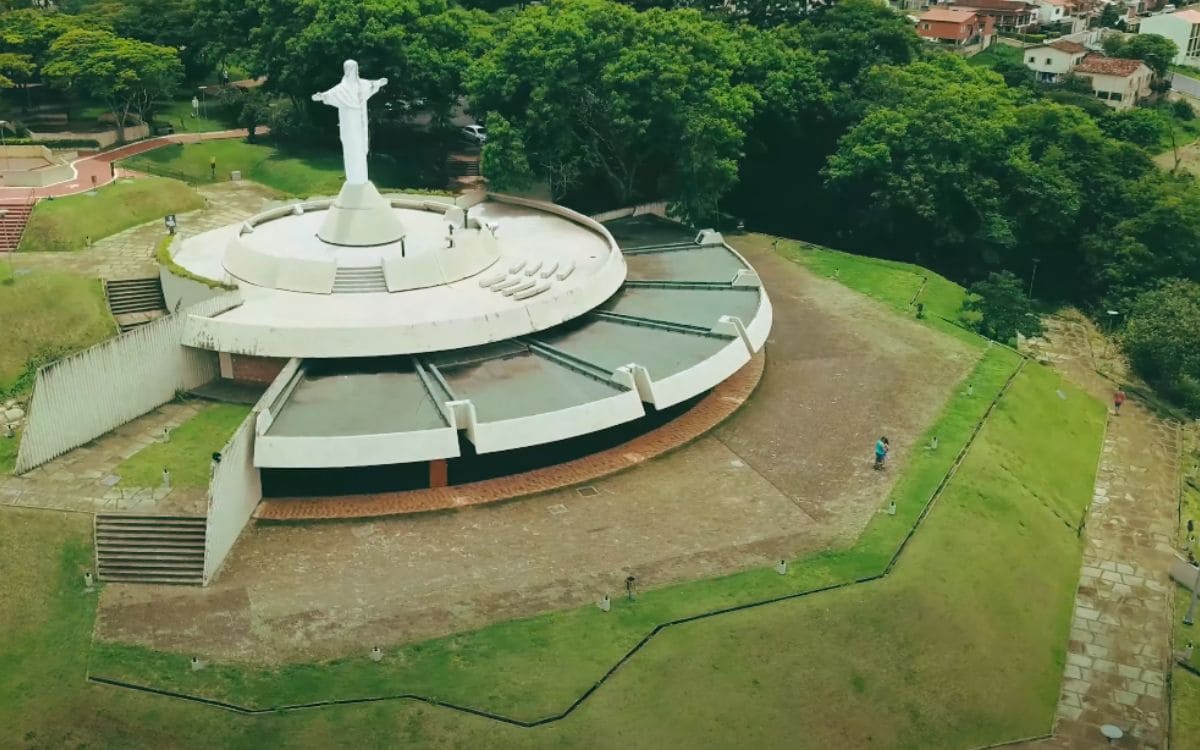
[475, 134]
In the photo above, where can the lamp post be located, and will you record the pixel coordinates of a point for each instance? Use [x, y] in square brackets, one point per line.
[1033, 275]
[1112, 326]
[4, 125]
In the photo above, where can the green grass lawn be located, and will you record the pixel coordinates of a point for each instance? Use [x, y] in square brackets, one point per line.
[67, 223]
[962, 645]
[294, 172]
[46, 314]
[8, 453]
[995, 53]
[188, 452]
[178, 114]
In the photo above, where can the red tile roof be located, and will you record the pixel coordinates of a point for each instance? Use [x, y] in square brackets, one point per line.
[1110, 66]
[952, 15]
[1062, 45]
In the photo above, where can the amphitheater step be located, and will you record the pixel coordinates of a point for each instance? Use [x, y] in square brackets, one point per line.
[138, 548]
[14, 215]
[359, 280]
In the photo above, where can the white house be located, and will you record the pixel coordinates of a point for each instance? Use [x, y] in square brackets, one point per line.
[1119, 82]
[1054, 60]
[1183, 28]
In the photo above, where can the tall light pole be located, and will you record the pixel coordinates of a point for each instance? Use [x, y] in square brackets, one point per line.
[1033, 276]
[1112, 326]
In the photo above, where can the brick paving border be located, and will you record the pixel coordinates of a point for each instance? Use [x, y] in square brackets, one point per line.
[713, 409]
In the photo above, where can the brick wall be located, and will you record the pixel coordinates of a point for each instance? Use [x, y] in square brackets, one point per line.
[256, 369]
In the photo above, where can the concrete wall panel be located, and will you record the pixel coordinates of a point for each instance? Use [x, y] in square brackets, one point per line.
[79, 398]
[234, 490]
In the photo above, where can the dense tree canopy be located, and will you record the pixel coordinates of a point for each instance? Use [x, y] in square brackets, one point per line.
[127, 74]
[1161, 339]
[647, 100]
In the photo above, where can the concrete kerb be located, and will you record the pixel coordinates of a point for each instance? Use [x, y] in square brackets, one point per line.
[513, 721]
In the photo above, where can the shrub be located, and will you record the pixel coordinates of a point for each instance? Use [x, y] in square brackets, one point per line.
[55, 143]
[1160, 340]
[1183, 110]
[999, 308]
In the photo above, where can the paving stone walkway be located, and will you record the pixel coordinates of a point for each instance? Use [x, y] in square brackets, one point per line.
[81, 480]
[1119, 648]
[130, 254]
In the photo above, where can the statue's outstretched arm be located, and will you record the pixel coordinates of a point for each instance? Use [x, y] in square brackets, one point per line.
[378, 84]
[319, 96]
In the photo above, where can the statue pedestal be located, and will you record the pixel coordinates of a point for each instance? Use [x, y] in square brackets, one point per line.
[360, 217]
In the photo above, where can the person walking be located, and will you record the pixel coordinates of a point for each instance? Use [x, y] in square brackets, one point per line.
[1118, 399]
[881, 452]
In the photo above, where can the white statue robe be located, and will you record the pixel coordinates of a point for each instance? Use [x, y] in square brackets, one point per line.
[350, 98]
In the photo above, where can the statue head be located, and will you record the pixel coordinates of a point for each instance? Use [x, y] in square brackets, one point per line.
[350, 69]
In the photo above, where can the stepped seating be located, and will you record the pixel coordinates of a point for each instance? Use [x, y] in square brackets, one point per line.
[359, 280]
[135, 302]
[14, 215]
[150, 549]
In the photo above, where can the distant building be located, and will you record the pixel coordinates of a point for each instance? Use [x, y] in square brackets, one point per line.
[1118, 82]
[1006, 15]
[1051, 62]
[956, 26]
[1183, 28]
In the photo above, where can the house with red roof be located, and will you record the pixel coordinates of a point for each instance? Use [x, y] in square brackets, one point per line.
[1118, 82]
[1007, 15]
[957, 27]
[1052, 62]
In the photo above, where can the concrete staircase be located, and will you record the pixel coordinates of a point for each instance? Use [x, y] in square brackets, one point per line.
[150, 549]
[14, 215]
[359, 280]
[135, 302]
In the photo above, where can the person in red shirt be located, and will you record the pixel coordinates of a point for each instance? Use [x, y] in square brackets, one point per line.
[1118, 399]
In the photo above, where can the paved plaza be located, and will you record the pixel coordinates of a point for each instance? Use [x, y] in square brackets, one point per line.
[130, 254]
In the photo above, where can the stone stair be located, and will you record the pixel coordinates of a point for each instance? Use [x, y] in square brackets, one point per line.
[150, 549]
[14, 215]
[135, 302]
[359, 280]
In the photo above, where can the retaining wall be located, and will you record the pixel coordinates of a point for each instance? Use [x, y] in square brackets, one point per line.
[79, 398]
[234, 489]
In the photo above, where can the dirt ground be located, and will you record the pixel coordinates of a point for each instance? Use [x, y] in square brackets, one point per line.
[789, 473]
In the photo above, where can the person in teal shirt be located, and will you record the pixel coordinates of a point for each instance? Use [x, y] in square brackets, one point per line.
[881, 451]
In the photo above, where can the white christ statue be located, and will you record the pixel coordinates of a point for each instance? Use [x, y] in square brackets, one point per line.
[350, 97]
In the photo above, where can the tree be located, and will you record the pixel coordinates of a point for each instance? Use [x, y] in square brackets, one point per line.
[999, 308]
[1160, 340]
[1142, 127]
[126, 74]
[503, 162]
[14, 68]
[645, 102]
[929, 197]
[856, 35]
[1110, 16]
[1156, 51]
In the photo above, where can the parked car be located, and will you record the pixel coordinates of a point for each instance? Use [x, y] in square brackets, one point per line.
[474, 134]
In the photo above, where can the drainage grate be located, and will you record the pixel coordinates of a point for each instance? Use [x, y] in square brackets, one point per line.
[587, 491]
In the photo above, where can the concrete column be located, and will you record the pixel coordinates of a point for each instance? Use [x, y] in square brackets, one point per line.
[439, 475]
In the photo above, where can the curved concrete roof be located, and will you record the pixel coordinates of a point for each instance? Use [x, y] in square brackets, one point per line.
[691, 315]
